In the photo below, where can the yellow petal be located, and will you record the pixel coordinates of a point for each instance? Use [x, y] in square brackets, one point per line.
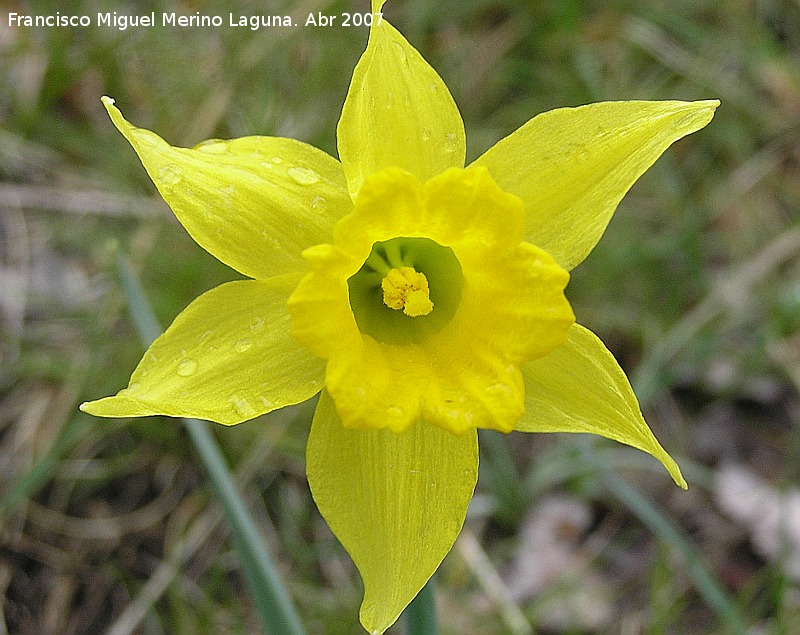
[572, 166]
[254, 203]
[228, 357]
[581, 388]
[396, 502]
[398, 113]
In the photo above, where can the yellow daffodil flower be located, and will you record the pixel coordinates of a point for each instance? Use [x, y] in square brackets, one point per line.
[433, 305]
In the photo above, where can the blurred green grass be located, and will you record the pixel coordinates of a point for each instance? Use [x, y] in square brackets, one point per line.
[695, 287]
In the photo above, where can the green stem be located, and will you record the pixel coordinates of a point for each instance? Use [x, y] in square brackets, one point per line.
[266, 589]
[420, 615]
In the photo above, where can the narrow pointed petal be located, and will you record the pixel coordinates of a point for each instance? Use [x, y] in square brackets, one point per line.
[228, 357]
[581, 388]
[254, 203]
[396, 502]
[572, 166]
[398, 113]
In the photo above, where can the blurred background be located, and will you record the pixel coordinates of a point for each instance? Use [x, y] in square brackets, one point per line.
[110, 526]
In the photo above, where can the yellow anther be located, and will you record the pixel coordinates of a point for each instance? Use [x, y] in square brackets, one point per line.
[407, 289]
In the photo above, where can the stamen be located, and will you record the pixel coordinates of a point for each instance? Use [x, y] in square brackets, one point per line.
[407, 289]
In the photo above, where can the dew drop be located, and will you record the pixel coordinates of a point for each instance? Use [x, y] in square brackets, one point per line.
[266, 402]
[303, 176]
[256, 324]
[187, 366]
[500, 390]
[255, 152]
[426, 134]
[205, 336]
[450, 142]
[243, 345]
[276, 160]
[212, 146]
[134, 386]
[148, 138]
[319, 204]
[226, 193]
[394, 412]
[267, 164]
[400, 50]
[242, 406]
[170, 175]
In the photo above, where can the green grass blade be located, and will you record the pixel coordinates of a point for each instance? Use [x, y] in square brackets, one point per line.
[43, 471]
[420, 615]
[266, 589]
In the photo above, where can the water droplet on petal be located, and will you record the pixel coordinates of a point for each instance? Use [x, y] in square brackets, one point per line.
[243, 345]
[242, 406]
[205, 336]
[400, 50]
[500, 390]
[148, 138]
[256, 324]
[170, 175]
[212, 146]
[450, 142]
[187, 366]
[319, 204]
[303, 176]
[266, 402]
[394, 412]
[267, 164]
[134, 386]
[426, 134]
[226, 193]
[276, 160]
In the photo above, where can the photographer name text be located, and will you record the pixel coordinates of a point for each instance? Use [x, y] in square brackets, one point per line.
[123, 22]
